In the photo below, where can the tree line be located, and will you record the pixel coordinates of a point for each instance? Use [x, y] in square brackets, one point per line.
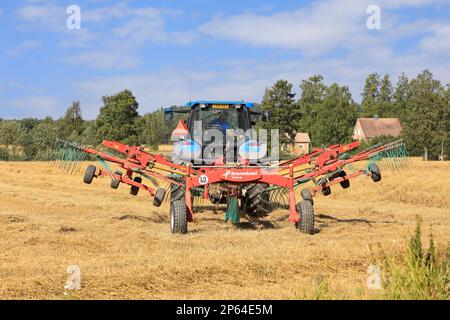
[327, 112]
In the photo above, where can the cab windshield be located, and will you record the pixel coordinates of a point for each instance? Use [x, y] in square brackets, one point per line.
[221, 119]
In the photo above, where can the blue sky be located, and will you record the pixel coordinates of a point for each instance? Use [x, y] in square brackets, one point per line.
[163, 50]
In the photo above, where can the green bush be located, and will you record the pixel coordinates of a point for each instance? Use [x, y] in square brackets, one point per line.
[4, 155]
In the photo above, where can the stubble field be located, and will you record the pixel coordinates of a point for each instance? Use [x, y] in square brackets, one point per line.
[50, 220]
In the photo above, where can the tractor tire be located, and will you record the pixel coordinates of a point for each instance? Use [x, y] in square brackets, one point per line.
[305, 210]
[178, 210]
[307, 196]
[346, 183]
[135, 190]
[375, 173]
[257, 200]
[115, 183]
[159, 197]
[89, 174]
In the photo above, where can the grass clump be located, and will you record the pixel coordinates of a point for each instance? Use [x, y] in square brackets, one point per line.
[417, 274]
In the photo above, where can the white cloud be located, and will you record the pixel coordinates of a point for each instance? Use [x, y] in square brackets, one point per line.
[248, 79]
[117, 11]
[106, 31]
[104, 60]
[407, 3]
[31, 106]
[145, 26]
[44, 16]
[314, 29]
[24, 46]
[438, 43]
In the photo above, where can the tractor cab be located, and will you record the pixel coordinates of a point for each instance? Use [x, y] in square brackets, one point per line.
[213, 122]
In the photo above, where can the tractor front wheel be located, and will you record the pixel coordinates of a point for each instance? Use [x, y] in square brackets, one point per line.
[178, 210]
[305, 211]
[257, 200]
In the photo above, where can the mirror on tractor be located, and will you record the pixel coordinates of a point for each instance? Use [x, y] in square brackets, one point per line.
[254, 117]
[168, 114]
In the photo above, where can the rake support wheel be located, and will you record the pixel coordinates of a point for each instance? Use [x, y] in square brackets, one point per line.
[346, 183]
[115, 183]
[375, 173]
[178, 210]
[135, 190]
[326, 191]
[159, 197]
[307, 195]
[305, 211]
[89, 174]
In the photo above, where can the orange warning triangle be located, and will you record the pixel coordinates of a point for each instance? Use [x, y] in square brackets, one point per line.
[181, 129]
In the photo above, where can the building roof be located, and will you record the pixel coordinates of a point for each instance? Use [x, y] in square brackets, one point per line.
[375, 127]
[302, 137]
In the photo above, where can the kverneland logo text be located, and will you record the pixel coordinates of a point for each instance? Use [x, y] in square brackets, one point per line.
[239, 173]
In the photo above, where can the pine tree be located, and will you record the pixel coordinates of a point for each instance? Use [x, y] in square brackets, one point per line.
[328, 114]
[385, 104]
[154, 128]
[401, 97]
[424, 125]
[72, 124]
[336, 117]
[284, 113]
[370, 95]
[312, 96]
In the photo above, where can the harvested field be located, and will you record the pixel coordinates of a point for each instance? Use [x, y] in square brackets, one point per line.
[49, 220]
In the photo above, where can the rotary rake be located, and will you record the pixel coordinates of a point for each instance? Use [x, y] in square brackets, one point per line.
[234, 184]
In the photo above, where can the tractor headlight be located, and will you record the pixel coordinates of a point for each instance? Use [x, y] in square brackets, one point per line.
[252, 150]
[188, 149]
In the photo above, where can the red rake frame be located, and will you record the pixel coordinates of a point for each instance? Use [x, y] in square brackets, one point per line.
[321, 161]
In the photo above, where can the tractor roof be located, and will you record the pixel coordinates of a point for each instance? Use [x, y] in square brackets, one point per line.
[193, 104]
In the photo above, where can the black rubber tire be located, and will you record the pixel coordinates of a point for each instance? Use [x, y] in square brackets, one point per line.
[346, 183]
[135, 190]
[325, 191]
[375, 173]
[305, 210]
[307, 196]
[257, 200]
[176, 192]
[115, 183]
[89, 174]
[178, 210]
[159, 197]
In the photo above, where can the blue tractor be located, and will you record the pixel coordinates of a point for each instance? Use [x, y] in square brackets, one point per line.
[219, 133]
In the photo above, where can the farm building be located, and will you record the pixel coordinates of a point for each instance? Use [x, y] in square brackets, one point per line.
[301, 144]
[368, 128]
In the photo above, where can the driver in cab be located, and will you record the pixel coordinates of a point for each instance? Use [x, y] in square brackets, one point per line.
[222, 121]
